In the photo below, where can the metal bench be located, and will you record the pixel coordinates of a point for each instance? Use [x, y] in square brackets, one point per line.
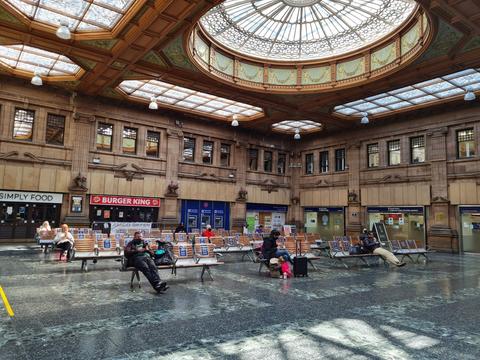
[340, 251]
[408, 248]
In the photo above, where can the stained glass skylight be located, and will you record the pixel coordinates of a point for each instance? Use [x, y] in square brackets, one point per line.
[80, 15]
[303, 29]
[30, 59]
[291, 125]
[418, 94]
[187, 99]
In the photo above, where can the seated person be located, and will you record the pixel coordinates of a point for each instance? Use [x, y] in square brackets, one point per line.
[270, 247]
[371, 245]
[64, 240]
[208, 232]
[259, 229]
[42, 231]
[180, 228]
[139, 255]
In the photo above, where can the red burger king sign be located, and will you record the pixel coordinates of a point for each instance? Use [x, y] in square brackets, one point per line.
[124, 201]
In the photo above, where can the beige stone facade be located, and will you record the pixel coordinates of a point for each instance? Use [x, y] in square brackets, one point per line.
[440, 184]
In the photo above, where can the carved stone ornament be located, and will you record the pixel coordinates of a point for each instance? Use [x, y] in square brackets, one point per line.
[440, 199]
[129, 172]
[172, 189]
[295, 200]
[269, 186]
[242, 195]
[79, 183]
[352, 196]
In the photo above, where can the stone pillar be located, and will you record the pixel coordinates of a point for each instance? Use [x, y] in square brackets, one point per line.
[238, 209]
[441, 236]
[82, 143]
[295, 213]
[170, 208]
[352, 212]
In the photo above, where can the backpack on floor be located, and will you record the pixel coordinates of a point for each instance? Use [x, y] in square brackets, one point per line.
[164, 254]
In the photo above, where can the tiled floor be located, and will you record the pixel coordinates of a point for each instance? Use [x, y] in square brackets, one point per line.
[421, 311]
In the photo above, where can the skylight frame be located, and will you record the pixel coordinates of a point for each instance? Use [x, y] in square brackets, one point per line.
[443, 88]
[27, 59]
[279, 31]
[289, 126]
[89, 15]
[213, 106]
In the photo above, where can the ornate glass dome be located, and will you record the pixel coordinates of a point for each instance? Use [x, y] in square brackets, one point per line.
[299, 30]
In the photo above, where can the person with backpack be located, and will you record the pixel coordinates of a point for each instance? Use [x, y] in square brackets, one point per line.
[139, 254]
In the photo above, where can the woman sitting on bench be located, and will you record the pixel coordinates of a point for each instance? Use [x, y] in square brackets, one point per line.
[64, 240]
[270, 248]
[371, 245]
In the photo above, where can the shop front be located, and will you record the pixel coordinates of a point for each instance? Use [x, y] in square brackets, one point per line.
[269, 216]
[402, 223]
[112, 208]
[470, 228]
[326, 221]
[197, 214]
[22, 212]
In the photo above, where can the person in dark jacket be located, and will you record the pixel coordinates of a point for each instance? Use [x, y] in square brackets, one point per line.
[180, 228]
[270, 247]
[140, 255]
[371, 245]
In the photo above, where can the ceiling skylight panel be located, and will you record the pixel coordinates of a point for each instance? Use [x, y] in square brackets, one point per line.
[222, 113]
[186, 104]
[205, 109]
[346, 111]
[175, 94]
[399, 105]
[377, 110]
[437, 87]
[423, 99]
[387, 100]
[196, 99]
[450, 93]
[165, 99]
[365, 106]
[410, 94]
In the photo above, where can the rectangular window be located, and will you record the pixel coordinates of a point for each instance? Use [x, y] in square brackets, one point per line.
[324, 162]
[281, 163]
[188, 149]
[340, 160]
[373, 155]
[207, 152]
[417, 149]
[129, 141]
[252, 159]
[393, 152]
[465, 144]
[225, 155]
[55, 129]
[153, 144]
[267, 161]
[104, 137]
[309, 164]
[23, 124]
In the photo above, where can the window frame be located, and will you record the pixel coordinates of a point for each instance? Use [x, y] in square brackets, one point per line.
[324, 166]
[229, 147]
[55, 117]
[103, 135]
[250, 158]
[212, 144]
[23, 121]
[194, 143]
[309, 164]
[390, 152]
[267, 163]
[147, 142]
[124, 137]
[412, 147]
[458, 142]
[282, 155]
[370, 165]
[340, 160]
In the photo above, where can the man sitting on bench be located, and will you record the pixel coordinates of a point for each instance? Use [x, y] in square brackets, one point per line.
[139, 255]
[371, 245]
[270, 248]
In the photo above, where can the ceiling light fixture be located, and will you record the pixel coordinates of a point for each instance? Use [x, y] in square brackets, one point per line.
[153, 104]
[63, 32]
[364, 120]
[36, 79]
[235, 120]
[297, 134]
[469, 95]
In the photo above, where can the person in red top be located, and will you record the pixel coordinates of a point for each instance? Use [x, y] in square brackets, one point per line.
[208, 232]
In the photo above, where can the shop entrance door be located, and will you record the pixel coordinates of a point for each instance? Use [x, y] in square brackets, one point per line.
[20, 220]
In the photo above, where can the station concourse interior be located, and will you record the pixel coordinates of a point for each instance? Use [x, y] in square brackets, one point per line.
[316, 118]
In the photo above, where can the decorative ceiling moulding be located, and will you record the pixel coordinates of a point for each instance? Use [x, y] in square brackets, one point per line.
[86, 19]
[377, 60]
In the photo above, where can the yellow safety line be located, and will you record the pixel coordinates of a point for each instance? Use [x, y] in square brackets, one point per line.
[6, 303]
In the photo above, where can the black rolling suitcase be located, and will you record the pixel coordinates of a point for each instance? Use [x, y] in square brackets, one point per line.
[299, 264]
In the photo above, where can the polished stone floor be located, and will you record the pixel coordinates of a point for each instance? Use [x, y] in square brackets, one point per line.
[425, 311]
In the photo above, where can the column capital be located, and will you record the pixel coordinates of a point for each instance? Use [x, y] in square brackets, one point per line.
[438, 132]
